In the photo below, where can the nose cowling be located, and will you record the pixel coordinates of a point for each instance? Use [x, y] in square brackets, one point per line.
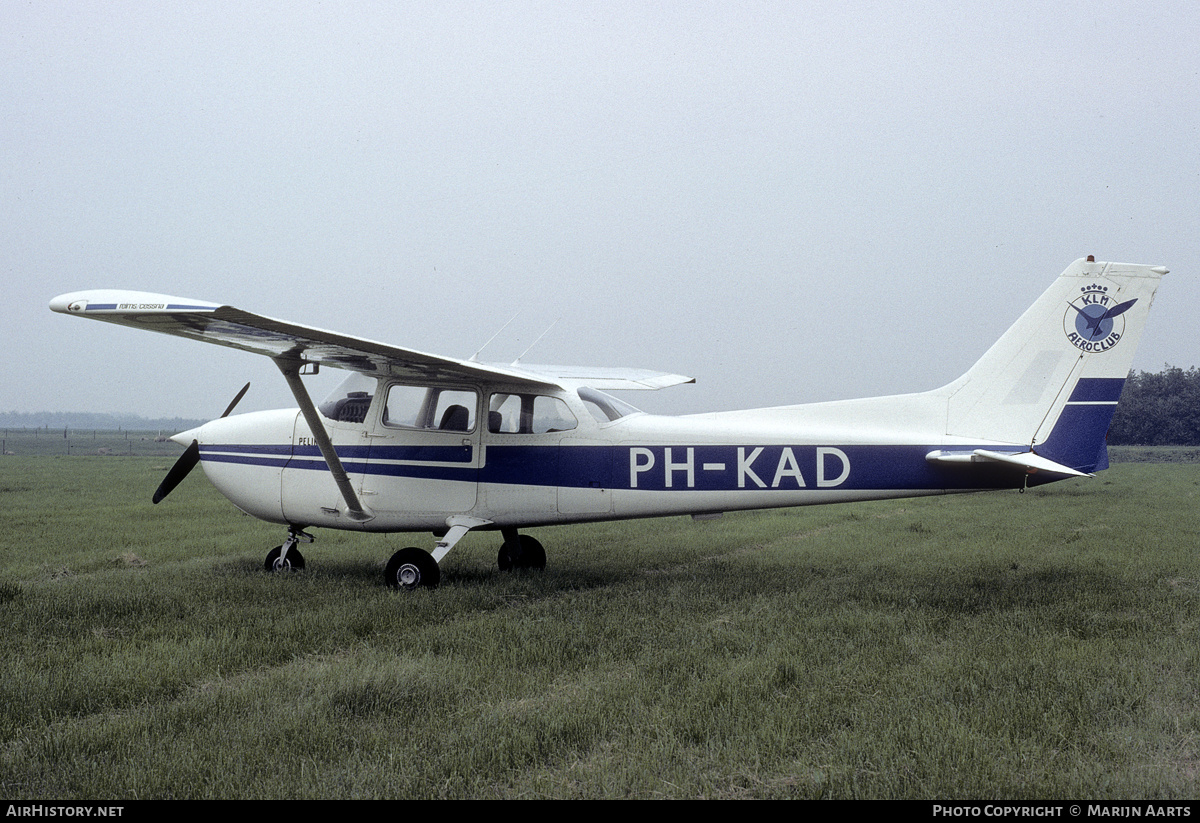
[191, 455]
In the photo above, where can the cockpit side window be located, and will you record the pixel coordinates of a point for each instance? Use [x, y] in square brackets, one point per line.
[430, 407]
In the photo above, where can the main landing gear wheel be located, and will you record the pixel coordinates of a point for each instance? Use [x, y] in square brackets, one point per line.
[412, 568]
[294, 561]
[522, 553]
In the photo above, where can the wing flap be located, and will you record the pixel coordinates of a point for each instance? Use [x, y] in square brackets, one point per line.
[607, 378]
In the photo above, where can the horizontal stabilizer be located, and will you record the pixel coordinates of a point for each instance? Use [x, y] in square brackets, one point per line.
[1028, 461]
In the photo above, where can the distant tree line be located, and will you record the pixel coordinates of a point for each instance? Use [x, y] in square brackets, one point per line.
[83, 420]
[1158, 409]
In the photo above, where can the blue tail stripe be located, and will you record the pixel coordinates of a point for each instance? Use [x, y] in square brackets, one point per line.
[1077, 439]
[1097, 390]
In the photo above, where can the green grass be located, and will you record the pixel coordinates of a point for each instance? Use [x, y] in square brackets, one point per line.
[990, 646]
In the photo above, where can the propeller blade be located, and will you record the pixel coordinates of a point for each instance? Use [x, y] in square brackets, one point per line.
[190, 457]
[237, 399]
[186, 462]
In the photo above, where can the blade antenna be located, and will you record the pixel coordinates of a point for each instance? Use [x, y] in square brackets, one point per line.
[475, 357]
[535, 342]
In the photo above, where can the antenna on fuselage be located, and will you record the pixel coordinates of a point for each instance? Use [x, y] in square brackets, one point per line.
[475, 357]
[535, 342]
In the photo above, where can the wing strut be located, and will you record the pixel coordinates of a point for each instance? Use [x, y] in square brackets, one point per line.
[291, 373]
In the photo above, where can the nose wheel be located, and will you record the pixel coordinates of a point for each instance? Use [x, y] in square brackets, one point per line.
[276, 562]
[287, 558]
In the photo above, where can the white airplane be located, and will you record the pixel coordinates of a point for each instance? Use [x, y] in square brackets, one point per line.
[413, 442]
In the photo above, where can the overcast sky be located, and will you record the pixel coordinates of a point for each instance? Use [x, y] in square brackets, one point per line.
[788, 201]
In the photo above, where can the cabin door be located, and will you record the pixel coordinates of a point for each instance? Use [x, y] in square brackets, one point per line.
[423, 456]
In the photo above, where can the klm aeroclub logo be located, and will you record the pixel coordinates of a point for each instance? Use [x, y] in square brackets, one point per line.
[1094, 322]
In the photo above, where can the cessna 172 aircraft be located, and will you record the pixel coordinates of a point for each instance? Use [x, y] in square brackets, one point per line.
[415, 442]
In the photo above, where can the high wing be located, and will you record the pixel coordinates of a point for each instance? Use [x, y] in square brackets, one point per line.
[278, 339]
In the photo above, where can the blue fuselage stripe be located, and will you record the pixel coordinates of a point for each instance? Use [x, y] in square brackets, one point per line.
[645, 468]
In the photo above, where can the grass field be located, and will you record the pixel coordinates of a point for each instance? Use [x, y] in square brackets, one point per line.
[1011, 646]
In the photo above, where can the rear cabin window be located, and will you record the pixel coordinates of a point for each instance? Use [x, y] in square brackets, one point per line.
[604, 407]
[528, 414]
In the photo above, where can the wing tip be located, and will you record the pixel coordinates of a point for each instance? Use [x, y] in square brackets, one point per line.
[122, 301]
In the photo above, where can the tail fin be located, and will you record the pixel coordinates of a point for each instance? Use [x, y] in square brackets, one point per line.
[1053, 380]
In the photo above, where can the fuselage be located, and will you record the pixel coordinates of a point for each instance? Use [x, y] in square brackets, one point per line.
[418, 455]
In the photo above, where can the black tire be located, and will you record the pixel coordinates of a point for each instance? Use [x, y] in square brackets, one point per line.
[525, 553]
[294, 561]
[412, 569]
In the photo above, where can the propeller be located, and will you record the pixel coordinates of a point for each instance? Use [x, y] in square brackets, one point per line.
[190, 457]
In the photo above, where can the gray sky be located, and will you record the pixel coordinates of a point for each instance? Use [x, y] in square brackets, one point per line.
[788, 201]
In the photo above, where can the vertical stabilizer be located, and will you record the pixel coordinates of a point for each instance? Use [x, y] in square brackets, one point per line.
[1053, 380]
